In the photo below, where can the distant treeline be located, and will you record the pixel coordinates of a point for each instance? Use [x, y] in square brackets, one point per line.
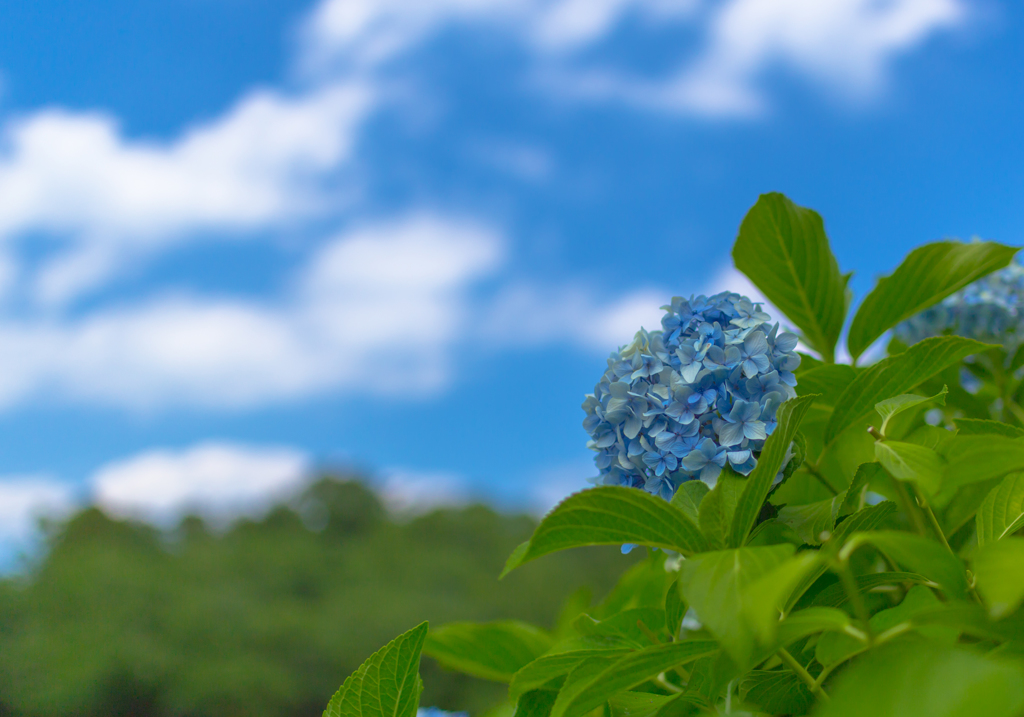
[267, 618]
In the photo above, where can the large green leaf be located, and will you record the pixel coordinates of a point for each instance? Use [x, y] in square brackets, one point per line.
[984, 427]
[1002, 511]
[973, 459]
[388, 684]
[828, 380]
[921, 555]
[489, 650]
[896, 375]
[716, 584]
[929, 274]
[760, 480]
[590, 690]
[999, 568]
[689, 497]
[767, 595]
[923, 679]
[546, 668]
[835, 595]
[812, 522]
[894, 406]
[776, 692]
[836, 647]
[718, 508]
[910, 462]
[611, 515]
[783, 249]
[536, 703]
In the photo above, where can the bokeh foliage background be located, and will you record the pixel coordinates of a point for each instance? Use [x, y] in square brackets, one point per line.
[266, 618]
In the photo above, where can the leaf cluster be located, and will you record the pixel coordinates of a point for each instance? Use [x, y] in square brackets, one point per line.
[884, 577]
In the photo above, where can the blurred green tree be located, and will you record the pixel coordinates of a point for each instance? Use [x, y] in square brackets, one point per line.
[265, 618]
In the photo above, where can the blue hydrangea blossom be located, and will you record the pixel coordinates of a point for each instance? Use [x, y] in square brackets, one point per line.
[682, 403]
[991, 310]
[435, 712]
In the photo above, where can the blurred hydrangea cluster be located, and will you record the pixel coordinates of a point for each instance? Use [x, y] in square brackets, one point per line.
[991, 310]
[682, 403]
[435, 712]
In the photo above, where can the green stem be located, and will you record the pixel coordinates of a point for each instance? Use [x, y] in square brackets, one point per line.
[816, 472]
[662, 682]
[856, 599]
[803, 674]
[923, 502]
[909, 506]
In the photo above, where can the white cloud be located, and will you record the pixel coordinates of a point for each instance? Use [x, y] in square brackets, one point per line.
[219, 481]
[525, 315]
[412, 492]
[24, 499]
[77, 176]
[377, 309]
[845, 44]
[369, 32]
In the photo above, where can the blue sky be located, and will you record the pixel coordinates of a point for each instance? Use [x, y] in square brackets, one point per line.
[242, 239]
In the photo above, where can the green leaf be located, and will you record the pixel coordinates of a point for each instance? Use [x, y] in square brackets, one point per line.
[715, 586]
[386, 685]
[623, 627]
[895, 375]
[921, 555]
[854, 495]
[637, 704]
[999, 569]
[760, 480]
[675, 609]
[537, 703]
[591, 690]
[835, 595]
[910, 462]
[1002, 511]
[766, 596]
[828, 380]
[688, 498]
[682, 705]
[836, 647]
[776, 692]
[718, 508]
[811, 621]
[983, 427]
[813, 522]
[867, 519]
[490, 650]
[546, 668]
[973, 459]
[929, 274]
[783, 249]
[611, 515]
[923, 679]
[894, 406]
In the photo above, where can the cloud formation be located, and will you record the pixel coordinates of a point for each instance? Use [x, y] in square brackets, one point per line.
[377, 309]
[219, 481]
[846, 45]
[77, 177]
[25, 499]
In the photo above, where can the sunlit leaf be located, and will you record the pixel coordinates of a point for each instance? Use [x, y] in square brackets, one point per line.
[929, 274]
[490, 650]
[611, 515]
[897, 375]
[386, 685]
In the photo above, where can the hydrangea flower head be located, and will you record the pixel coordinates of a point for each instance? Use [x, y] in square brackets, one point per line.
[990, 310]
[681, 403]
[435, 712]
